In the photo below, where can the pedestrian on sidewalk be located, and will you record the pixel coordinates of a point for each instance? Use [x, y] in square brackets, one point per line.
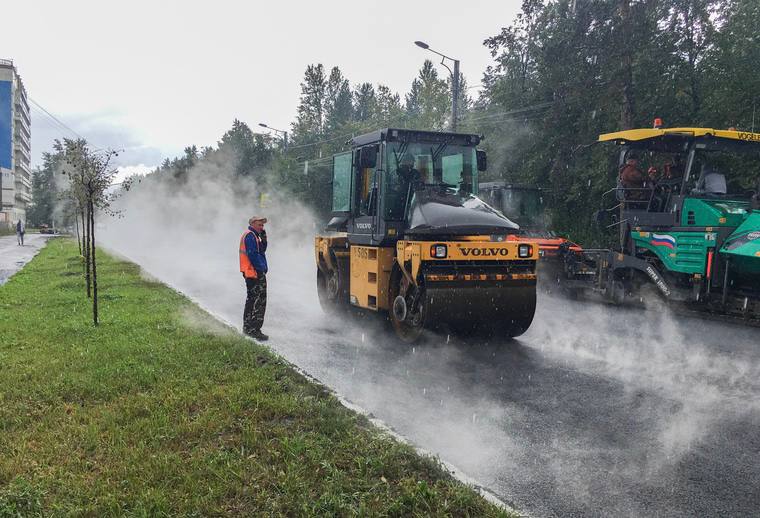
[253, 265]
[20, 231]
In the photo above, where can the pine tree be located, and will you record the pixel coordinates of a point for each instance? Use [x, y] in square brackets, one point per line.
[428, 100]
[338, 102]
[309, 125]
[44, 191]
[365, 102]
[388, 110]
[252, 151]
[731, 79]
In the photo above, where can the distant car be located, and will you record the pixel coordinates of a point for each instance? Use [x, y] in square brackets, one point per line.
[44, 229]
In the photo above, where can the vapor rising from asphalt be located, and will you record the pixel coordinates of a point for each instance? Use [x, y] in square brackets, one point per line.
[189, 237]
[708, 373]
[483, 408]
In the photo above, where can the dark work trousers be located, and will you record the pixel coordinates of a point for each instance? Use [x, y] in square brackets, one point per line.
[255, 304]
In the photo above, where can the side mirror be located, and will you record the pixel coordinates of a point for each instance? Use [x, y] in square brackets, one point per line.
[368, 157]
[481, 158]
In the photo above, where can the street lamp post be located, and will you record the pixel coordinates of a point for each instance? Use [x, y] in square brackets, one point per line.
[454, 81]
[284, 133]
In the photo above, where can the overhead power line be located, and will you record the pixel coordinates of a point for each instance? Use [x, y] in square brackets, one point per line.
[55, 119]
[319, 142]
[315, 160]
[491, 117]
[62, 124]
[511, 112]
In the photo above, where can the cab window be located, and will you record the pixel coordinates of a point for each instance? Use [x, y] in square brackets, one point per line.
[426, 163]
[366, 190]
[341, 180]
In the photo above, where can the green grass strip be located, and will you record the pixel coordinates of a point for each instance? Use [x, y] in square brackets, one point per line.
[162, 411]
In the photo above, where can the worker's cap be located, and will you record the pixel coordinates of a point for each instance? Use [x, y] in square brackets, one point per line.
[257, 218]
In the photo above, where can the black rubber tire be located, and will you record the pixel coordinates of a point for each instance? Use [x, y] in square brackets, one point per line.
[406, 332]
[522, 322]
[329, 305]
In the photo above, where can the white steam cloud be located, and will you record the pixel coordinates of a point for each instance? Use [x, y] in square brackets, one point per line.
[521, 416]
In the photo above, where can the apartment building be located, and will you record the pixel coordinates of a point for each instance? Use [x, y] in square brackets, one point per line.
[15, 146]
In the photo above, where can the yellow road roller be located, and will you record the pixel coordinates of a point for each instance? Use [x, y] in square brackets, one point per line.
[408, 237]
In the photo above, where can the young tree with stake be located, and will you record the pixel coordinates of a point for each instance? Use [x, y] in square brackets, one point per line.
[90, 177]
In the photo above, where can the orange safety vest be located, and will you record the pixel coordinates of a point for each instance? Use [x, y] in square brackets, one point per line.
[249, 272]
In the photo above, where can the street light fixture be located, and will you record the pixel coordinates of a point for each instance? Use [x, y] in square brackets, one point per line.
[284, 133]
[454, 81]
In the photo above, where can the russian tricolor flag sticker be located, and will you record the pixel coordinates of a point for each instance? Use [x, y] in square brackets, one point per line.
[665, 240]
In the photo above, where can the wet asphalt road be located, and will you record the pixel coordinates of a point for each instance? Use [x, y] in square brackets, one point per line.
[595, 411]
[560, 429]
[13, 257]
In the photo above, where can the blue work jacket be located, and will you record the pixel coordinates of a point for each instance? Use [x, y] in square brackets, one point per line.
[256, 253]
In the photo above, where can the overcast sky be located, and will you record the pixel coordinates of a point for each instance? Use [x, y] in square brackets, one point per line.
[155, 76]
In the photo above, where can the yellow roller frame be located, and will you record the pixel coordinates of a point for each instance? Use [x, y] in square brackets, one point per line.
[418, 252]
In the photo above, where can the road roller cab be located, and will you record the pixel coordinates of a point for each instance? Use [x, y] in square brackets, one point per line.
[409, 237]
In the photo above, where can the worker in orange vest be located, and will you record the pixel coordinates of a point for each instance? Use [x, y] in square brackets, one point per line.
[253, 266]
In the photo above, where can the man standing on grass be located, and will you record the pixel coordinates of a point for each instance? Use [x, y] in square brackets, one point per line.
[253, 265]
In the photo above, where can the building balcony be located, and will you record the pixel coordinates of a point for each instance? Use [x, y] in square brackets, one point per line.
[23, 152]
[20, 138]
[21, 162]
[23, 196]
[9, 195]
[26, 130]
[22, 106]
[24, 121]
[23, 181]
[26, 126]
[23, 110]
[22, 94]
[23, 168]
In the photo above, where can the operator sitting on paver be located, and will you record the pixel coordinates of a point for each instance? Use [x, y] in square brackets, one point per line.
[632, 179]
[253, 265]
[631, 176]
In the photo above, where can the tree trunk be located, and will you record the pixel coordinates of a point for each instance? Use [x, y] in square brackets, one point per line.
[79, 239]
[84, 239]
[94, 267]
[627, 108]
[87, 251]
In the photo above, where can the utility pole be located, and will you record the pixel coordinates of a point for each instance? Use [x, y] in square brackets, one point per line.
[455, 96]
[454, 82]
[282, 132]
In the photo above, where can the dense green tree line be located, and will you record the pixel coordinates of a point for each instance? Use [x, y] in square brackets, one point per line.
[595, 66]
[563, 72]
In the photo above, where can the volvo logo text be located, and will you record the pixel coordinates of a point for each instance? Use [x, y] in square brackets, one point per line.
[484, 252]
